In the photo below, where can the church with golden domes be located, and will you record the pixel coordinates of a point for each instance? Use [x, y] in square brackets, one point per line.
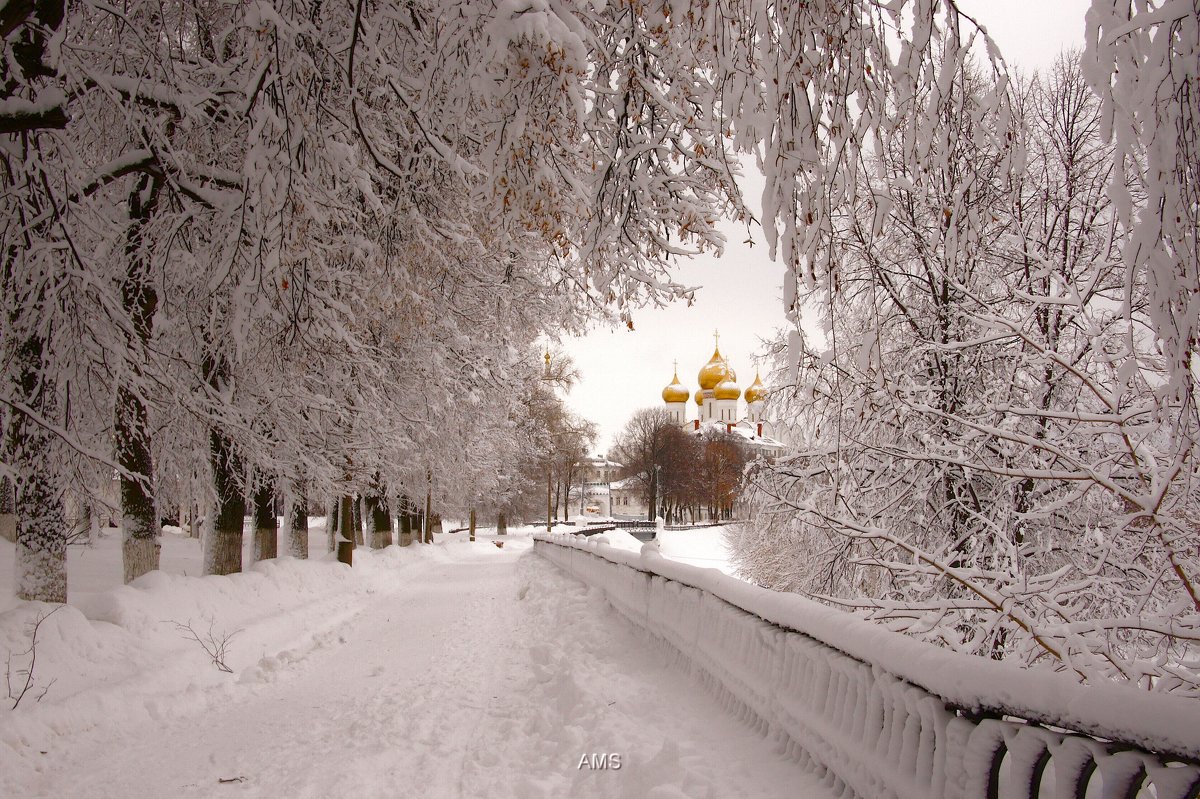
[718, 404]
[719, 411]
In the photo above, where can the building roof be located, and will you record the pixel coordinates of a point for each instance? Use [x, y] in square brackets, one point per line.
[627, 483]
[601, 461]
[742, 429]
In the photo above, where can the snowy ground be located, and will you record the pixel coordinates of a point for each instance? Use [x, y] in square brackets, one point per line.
[704, 546]
[453, 670]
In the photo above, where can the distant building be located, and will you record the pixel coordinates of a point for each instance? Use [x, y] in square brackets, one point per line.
[597, 475]
[628, 498]
[719, 406]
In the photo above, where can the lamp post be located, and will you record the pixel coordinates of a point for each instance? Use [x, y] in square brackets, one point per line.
[654, 498]
[552, 435]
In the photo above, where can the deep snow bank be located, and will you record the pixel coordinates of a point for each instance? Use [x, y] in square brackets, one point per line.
[876, 708]
[121, 655]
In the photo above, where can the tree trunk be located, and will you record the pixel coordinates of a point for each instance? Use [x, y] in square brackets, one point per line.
[41, 528]
[266, 524]
[404, 520]
[140, 545]
[223, 545]
[653, 498]
[428, 526]
[345, 541]
[405, 529]
[8, 511]
[331, 524]
[357, 510]
[381, 523]
[41, 562]
[471, 524]
[195, 517]
[501, 524]
[297, 528]
[93, 522]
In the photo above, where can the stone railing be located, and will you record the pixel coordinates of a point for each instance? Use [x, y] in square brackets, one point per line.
[882, 715]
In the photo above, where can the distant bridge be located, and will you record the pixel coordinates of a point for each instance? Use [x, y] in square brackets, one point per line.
[641, 530]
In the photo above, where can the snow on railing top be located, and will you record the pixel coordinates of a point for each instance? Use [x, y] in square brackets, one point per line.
[1153, 721]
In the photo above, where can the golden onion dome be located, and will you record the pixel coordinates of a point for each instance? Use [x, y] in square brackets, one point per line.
[699, 396]
[727, 390]
[756, 390]
[675, 392]
[713, 372]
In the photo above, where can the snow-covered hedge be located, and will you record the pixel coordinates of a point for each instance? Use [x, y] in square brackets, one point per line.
[881, 714]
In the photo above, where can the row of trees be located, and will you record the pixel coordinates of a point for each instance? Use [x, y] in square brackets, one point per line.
[684, 477]
[305, 249]
[998, 426]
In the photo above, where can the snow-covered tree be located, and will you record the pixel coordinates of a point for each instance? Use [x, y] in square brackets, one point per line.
[644, 447]
[314, 243]
[1143, 61]
[984, 457]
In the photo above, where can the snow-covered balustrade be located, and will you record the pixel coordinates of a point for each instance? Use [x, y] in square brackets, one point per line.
[882, 715]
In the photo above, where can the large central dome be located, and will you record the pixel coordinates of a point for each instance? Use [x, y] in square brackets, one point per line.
[714, 372]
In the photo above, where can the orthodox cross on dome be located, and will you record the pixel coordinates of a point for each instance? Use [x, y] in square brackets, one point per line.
[716, 339]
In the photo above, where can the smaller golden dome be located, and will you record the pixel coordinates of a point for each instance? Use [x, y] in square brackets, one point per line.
[727, 390]
[756, 390]
[699, 396]
[675, 392]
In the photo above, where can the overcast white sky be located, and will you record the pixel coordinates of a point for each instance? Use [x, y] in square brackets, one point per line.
[740, 293]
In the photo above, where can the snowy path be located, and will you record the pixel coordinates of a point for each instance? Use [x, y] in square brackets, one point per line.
[486, 674]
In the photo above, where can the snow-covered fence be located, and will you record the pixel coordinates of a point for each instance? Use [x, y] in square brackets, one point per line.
[882, 715]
